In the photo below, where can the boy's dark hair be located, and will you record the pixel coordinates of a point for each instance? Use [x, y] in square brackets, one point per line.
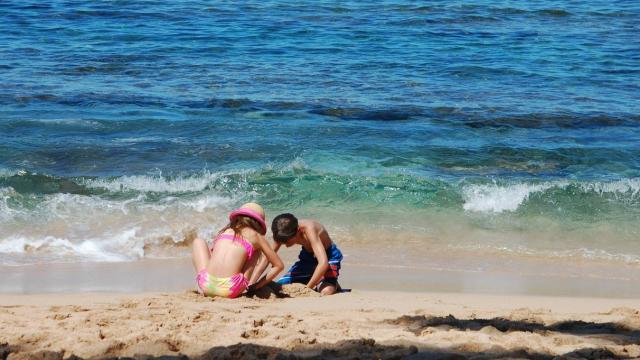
[284, 227]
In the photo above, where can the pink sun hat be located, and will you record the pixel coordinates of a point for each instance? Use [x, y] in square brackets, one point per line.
[253, 211]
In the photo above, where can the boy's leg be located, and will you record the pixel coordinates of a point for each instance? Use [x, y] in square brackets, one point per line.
[200, 254]
[301, 271]
[298, 273]
[327, 288]
[329, 284]
[292, 277]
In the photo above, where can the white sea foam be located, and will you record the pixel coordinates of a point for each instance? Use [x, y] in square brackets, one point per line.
[133, 140]
[206, 202]
[296, 164]
[74, 122]
[91, 228]
[8, 173]
[155, 183]
[498, 198]
[123, 246]
[6, 212]
[596, 254]
[630, 188]
[501, 198]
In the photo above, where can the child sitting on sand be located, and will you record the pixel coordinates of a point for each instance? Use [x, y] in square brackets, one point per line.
[225, 269]
[318, 264]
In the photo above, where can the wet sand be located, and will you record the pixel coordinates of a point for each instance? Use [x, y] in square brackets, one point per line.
[462, 274]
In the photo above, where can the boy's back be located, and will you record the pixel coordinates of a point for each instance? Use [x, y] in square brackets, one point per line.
[308, 226]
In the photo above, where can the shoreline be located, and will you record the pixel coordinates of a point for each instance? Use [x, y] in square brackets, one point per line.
[525, 277]
[369, 324]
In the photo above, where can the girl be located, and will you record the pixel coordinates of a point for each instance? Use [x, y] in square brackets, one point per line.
[225, 270]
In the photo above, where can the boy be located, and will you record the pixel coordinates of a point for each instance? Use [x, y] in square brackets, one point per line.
[318, 264]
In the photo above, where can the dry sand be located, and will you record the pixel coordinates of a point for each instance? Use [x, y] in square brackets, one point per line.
[297, 323]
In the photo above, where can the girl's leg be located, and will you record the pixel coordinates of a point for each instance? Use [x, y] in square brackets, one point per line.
[200, 254]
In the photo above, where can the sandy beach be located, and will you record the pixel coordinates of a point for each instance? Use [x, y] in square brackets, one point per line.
[149, 309]
[296, 323]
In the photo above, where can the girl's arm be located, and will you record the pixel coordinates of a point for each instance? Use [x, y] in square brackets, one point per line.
[270, 256]
[262, 265]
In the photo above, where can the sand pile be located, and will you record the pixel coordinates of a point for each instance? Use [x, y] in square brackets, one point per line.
[277, 291]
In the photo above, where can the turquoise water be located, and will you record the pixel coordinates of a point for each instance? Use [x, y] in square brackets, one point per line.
[127, 127]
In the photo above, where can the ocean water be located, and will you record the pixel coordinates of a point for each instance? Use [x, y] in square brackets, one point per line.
[497, 128]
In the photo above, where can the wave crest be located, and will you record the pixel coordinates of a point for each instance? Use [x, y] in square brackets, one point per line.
[495, 198]
[144, 183]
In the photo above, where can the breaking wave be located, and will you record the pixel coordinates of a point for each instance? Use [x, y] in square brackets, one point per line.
[50, 218]
[497, 198]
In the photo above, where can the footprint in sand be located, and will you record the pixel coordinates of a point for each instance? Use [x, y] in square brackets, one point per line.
[299, 342]
[623, 311]
[115, 348]
[201, 316]
[59, 316]
[173, 344]
[279, 322]
[68, 308]
[254, 334]
[129, 305]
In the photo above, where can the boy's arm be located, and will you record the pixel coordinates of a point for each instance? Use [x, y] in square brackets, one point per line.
[269, 256]
[320, 254]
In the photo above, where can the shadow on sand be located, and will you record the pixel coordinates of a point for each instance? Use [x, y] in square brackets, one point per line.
[613, 332]
[272, 290]
[349, 349]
